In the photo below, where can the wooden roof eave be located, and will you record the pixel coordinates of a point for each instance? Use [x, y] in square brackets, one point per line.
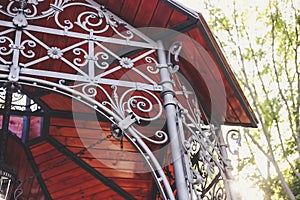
[196, 20]
[223, 64]
[180, 7]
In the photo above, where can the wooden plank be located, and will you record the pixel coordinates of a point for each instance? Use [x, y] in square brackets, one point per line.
[50, 155]
[114, 6]
[84, 133]
[176, 18]
[89, 169]
[79, 189]
[113, 173]
[117, 164]
[77, 142]
[63, 122]
[55, 171]
[136, 192]
[161, 15]
[55, 162]
[62, 185]
[107, 154]
[18, 160]
[145, 13]
[93, 193]
[106, 196]
[129, 9]
[68, 179]
[134, 183]
[131, 185]
[63, 103]
[36, 191]
[40, 148]
[102, 2]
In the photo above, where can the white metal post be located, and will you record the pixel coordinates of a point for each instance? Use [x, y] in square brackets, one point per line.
[170, 109]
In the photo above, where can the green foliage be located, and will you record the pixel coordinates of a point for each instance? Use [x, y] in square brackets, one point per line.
[264, 54]
[295, 183]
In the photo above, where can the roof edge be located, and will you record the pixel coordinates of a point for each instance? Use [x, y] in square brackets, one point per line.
[183, 8]
[220, 58]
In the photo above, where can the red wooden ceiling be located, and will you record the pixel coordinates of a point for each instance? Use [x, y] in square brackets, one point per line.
[167, 14]
[58, 161]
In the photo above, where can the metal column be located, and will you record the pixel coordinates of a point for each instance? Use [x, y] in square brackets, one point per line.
[170, 109]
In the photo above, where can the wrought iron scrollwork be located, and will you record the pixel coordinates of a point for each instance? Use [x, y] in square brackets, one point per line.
[152, 69]
[133, 106]
[138, 108]
[205, 180]
[19, 101]
[4, 50]
[125, 104]
[19, 190]
[205, 164]
[96, 21]
[23, 10]
[174, 50]
[29, 53]
[235, 137]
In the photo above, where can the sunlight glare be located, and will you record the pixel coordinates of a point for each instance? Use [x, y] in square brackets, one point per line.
[246, 191]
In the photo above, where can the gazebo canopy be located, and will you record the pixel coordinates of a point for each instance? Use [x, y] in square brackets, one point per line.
[59, 146]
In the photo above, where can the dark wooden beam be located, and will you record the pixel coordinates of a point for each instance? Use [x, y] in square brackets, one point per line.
[108, 182]
[78, 115]
[33, 165]
[37, 173]
[5, 122]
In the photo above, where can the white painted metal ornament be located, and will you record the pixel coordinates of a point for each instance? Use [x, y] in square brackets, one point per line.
[6, 182]
[200, 164]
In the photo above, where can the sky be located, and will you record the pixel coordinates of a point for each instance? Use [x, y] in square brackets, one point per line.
[194, 4]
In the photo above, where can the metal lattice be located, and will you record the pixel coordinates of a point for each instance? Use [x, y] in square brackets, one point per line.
[199, 158]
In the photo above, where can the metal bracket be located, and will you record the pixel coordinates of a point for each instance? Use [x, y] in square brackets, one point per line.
[174, 49]
[173, 68]
[117, 130]
[20, 20]
[125, 123]
[14, 73]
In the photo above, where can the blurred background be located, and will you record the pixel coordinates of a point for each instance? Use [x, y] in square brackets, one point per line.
[260, 40]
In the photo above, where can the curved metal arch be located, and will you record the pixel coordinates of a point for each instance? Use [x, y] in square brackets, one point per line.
[150, 160]
[121, 119]
[19, 75]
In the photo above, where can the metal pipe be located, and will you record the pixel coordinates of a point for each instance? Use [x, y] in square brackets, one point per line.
[170, 109]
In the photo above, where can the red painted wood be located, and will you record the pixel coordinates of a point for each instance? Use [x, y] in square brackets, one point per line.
[114, 6]
[65, 179]
[129, 9]
[161, 15]
[17, 159]
[145, 13]
[41, 148]
[176, 18]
